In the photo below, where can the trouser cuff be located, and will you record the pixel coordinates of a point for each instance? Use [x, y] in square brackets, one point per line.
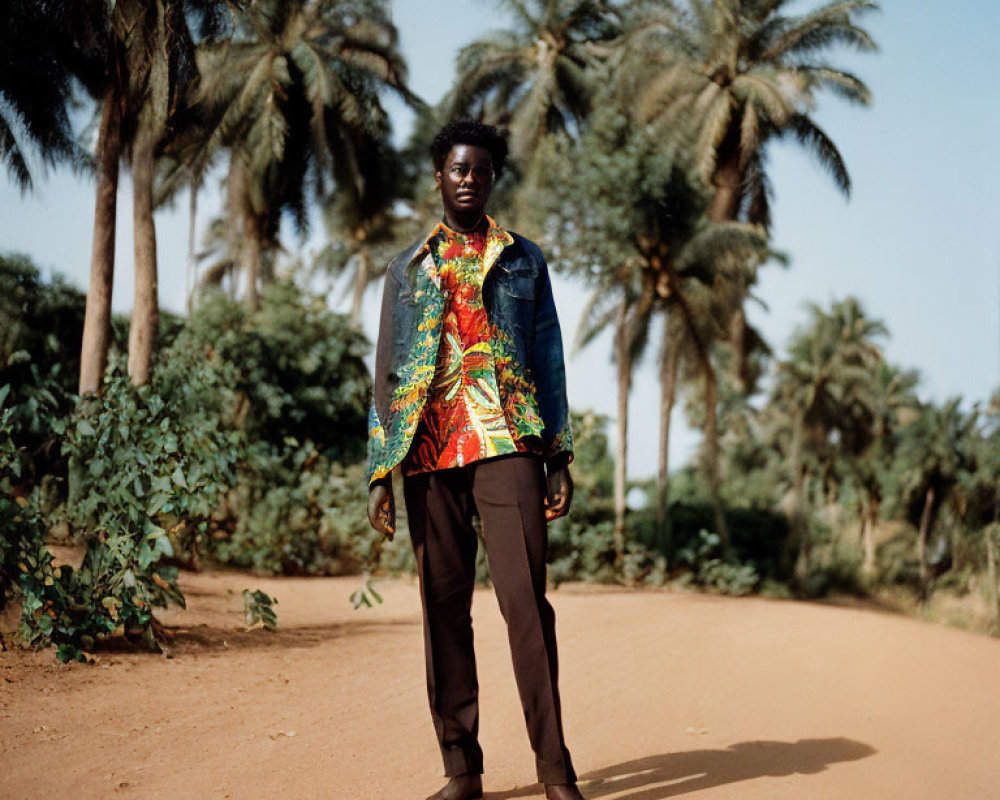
[461, 762]
[555, 772]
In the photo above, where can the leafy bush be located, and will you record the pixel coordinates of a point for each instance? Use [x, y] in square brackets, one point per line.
[581, 545]
[294, 511]
[40, 324]
[711, 569]
[300, 369]
[581, 552]
[50, 610]
[19, 527]
[140, 461]
[40, 329]
[757, 536]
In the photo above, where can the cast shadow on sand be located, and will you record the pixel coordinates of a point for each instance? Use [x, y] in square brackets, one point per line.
[183, 640]
[673, 774]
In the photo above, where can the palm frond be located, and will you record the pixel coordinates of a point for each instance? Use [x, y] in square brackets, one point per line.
[598, 313]
[11, 155]
[845, 84]
[713, 129]
[827, 26]
[810, 135]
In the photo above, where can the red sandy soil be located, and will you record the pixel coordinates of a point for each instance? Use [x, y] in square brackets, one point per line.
[664, 695]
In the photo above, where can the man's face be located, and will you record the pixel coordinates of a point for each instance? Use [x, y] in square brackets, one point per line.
[465, 180]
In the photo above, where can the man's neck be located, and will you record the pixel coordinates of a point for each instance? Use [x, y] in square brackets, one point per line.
[465, 225]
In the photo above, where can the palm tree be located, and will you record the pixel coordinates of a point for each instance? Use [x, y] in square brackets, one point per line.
[146, 69]
[824, 385]
[364, 225]
[294, 95]
[935, 456]
[982, 488]
[724, 77]
[539, 77]
[632, 223]
[627, 303]
[44, 45]
[221, 271]
[738, 73]
[870, 445]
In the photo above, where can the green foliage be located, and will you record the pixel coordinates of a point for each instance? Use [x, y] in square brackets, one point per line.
[41, 323]
[539, 77]
[20, 531]
[581, 545]
[40, 328]
[713, 569]
[757, 534]
[721, 79]
[140, 461]
[365, 595]
[300, 370]
[258, 609]
[292, 510]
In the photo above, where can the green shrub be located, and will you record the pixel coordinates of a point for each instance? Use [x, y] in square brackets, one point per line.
[141, 461]
[300, 369]
[294, 511]
[710, 567]
[41, 324]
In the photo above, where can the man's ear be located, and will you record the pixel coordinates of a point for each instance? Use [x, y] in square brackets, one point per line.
[437, 178]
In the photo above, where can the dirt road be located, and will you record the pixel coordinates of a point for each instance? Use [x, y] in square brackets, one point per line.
[664, 695]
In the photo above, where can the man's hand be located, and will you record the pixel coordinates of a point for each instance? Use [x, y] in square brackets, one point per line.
[560, 484]
[382, 508]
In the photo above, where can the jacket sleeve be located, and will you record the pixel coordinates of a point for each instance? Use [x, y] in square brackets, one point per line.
[550, 374]
[378, 413]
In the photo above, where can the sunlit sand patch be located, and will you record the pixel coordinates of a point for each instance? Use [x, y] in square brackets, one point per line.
[605, 786]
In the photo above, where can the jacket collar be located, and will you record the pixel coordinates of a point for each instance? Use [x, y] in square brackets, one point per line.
[496, 240]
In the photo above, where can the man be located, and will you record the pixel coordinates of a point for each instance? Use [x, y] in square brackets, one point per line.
[470, 403]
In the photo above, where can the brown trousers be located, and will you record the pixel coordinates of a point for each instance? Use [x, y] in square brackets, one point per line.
[507, 492]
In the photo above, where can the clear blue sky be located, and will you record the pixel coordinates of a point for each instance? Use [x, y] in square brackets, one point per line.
[919, 241]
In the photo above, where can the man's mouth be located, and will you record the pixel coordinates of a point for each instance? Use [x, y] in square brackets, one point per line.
[467, 195]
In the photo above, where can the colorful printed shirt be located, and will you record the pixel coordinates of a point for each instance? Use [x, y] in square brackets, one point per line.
[523, 340]
[463, 418]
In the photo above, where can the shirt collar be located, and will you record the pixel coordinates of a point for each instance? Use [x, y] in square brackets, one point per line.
[496, 240]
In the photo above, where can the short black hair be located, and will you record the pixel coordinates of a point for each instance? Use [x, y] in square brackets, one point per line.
[470, 132]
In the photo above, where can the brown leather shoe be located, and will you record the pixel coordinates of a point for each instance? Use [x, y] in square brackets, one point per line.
[562, 791]
[461, 787]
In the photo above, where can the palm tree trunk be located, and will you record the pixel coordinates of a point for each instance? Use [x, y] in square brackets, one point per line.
[624, 368]
[800, 530]
[922, 533]
[251, 264]
[97, 322]
[992, 530]
[669, 363]
[727, 183]
[738, 337]
[868, 535]
[712, 450]
[360, 284]
[189, 276]
[145, 312]
[711, 413]
[725, 207]
[244, 234]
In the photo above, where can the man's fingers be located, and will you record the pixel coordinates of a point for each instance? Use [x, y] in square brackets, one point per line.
[555, 507]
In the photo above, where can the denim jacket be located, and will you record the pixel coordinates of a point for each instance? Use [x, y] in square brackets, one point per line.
[524, 335]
